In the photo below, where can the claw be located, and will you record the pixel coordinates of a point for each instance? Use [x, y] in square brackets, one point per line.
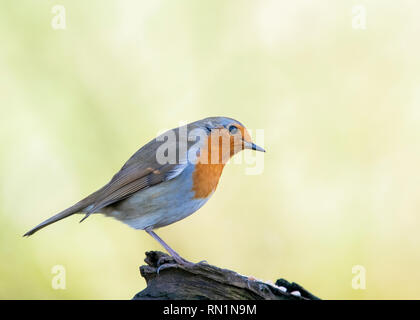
[164, 263]
[164, 266]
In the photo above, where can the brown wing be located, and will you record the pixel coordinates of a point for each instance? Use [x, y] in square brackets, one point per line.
[141, 171]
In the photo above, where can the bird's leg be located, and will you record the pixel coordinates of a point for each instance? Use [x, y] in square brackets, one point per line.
[171, 251]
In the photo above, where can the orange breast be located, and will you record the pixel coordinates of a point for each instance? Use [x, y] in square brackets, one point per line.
[206, 174]
[205, 179]
[217, 150]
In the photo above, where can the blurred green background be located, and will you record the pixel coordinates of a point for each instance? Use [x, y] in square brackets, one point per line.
[340, 109]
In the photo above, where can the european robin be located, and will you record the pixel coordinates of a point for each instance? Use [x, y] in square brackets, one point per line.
[168, 179]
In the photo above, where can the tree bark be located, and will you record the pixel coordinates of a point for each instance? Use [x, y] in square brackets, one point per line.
[167, 280]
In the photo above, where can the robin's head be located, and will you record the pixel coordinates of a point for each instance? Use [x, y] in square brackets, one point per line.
[225, 138]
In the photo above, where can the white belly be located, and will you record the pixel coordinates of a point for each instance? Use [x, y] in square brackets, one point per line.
[158, 206]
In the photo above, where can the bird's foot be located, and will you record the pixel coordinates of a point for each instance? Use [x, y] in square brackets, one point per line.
[189, 264]
[168, 262]
[165, 266]
[165, 262]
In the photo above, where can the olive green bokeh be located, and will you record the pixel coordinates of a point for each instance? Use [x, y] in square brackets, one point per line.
[340, 109]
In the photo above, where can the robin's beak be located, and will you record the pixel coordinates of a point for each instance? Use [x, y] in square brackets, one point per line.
[252, 146]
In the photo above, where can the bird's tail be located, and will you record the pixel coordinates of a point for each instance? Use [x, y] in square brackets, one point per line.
[78, 207]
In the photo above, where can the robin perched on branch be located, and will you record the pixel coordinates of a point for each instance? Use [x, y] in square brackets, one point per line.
[168, 179]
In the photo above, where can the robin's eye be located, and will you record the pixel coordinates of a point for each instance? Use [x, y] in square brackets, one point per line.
[233, 129]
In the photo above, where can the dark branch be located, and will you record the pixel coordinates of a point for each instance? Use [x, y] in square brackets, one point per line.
[204, 281]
